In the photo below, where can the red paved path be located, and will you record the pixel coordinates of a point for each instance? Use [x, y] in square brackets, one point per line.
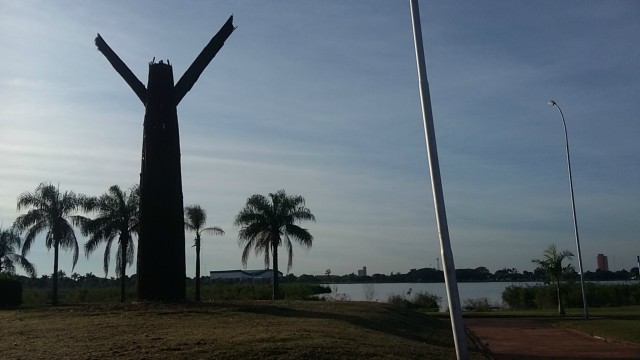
[535, 339]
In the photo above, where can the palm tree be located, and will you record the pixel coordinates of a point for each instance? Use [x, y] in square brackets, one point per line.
[194, 220]
[9, 241]
[552, 267]
[50, 210]
[117, 216]
[266, 222]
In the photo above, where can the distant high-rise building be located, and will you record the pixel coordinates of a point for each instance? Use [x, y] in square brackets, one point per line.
[603, 262]
[362, 272]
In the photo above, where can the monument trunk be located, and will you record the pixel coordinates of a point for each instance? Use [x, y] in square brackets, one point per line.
[161, 249]
[161, 246]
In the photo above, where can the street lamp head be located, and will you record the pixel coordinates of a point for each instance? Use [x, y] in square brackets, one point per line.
[552, 103]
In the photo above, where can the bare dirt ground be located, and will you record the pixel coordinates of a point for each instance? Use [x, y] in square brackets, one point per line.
[509, 338]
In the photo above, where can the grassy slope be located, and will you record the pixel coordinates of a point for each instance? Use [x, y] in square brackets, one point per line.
[227, 330]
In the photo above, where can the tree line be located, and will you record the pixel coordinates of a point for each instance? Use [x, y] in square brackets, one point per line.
[266, 223]
[479, 274]
[414, 275]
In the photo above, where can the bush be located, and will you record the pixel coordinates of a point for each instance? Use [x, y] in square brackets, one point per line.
[545, 297]
[261, 291]
[477, 304]
[10, 292]
[398, 300]
[426, 301]
[421, 300]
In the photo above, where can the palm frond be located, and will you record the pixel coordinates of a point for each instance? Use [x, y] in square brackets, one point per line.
[9, 239]
[107, 256]
[289, 248]
[25, 221]
[249, 244]
[196, 216]
[28, 267]
[87, 203]
[131, 251]
[31, 234]
[302, 236]
[251, 231]
[213, 231]
[8, 266]
[188, 226]
[302, 214]
[267, 258]
[9, 242]
[79, 220]
[36, 199]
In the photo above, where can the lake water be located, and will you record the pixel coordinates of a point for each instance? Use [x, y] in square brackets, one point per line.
[467, 290]
[381, 291]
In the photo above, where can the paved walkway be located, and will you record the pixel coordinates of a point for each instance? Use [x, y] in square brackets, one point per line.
[508, 338]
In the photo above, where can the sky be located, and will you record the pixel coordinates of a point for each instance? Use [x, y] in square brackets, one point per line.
[320, 98]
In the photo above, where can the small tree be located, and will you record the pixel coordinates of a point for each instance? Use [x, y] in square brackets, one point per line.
[552, 267]
[194, 219]
[50, 211]
[118, 216]
[266, 222]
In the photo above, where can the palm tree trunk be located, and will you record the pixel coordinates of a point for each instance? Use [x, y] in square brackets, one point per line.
[123, 268]
[276, 281]
[198, 269]
[55, 272]
[560, 306]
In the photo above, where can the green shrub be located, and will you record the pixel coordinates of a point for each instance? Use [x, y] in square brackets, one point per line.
[545, 297]
[10, 292]
[420, 300]
[262, 291]
[518, 297]
[398, 300]
[426, 301]
[209, 292]
[477, 304]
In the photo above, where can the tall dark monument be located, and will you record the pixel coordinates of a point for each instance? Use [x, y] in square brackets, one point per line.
[161, 246]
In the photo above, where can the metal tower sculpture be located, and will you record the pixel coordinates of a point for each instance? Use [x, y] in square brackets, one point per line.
[161, 245]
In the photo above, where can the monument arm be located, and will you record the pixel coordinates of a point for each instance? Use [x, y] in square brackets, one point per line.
[200, 63]
[122, 69]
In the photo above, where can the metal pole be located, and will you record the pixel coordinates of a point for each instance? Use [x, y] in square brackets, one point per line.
[573, 208]
[451, 284]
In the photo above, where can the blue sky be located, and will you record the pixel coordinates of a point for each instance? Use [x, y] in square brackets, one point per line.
[321, 99]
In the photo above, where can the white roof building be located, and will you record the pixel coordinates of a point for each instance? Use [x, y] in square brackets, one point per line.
[243, 274]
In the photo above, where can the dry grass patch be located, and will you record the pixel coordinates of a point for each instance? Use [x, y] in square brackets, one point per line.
[227, 330]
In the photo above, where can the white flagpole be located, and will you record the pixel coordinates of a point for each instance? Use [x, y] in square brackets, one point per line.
[438, 198]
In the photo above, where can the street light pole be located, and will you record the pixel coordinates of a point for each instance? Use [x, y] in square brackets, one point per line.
[448, 267]
[573, 208]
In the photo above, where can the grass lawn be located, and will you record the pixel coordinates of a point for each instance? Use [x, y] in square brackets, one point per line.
[614, 323]
[227, 330]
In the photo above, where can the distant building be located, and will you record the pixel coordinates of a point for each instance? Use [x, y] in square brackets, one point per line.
[362, 272]
[603, 262]
[264, 274]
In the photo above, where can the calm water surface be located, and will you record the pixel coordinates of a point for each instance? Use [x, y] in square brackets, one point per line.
[382, 291]
[471, 290]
